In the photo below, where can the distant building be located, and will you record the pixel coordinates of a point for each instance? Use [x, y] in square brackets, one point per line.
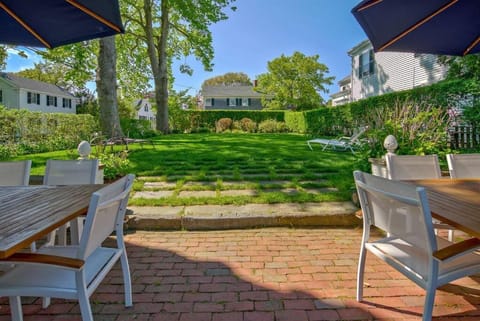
[344, 95]
[375, 74]
[236, 97]
[23, 93]
[144, 110]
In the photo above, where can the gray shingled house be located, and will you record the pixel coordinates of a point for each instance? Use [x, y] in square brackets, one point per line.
[235, 97]
[22, 93]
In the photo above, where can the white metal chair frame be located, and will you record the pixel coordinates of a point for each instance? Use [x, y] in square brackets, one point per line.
[74, 272]
[405, 167]
[413, 250]
[464, 165]
[70, 172]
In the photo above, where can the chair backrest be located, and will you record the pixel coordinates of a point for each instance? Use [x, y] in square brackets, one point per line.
[397, 208]
[15, 173]
[70, 172]
[360, 132]
[464, 165]
[106, 213]
[404, 167]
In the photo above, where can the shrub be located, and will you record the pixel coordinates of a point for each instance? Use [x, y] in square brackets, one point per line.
[137, 128]
[115, 164]
[272, 126]
[223, 124]
[248, 125]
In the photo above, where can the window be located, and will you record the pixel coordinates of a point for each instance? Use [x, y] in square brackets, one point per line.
[66, 103]
[209, 102]
[366, 64]
[51, 101]
[33, 98]
[232, 102]
[1, 96]
[145, 108]
[245, 101]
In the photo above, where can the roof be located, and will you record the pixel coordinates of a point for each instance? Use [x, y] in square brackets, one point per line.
[345, 80]
[236, 91]
[360, 47]
[34, 85]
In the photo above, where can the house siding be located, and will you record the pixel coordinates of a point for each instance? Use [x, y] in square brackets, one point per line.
[394, 72]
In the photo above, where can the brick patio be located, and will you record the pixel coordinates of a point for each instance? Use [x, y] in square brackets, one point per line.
[265, 274]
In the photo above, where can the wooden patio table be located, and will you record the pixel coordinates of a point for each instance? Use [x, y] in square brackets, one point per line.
[28, 213]
[457, 203]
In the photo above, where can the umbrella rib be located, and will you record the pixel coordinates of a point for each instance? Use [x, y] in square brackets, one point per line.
[469, 48]
[368, 5]
[418, 24]
[94, 15]
[25, 25]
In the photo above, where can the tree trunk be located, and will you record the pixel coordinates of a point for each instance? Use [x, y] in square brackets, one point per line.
[107, 88]
[161, 93]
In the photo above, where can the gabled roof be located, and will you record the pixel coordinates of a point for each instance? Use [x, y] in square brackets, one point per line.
[34, 85]
[360, 47]
[233, 91]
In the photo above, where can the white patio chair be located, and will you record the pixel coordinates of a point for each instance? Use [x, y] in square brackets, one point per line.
[411, 246]
[341, 143]
[70, 172]
[74, 272]
[405, 167]
[464, 165]
[15, 173]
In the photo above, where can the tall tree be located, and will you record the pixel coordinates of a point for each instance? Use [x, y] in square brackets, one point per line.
[230, 78]
[107, 88]
[170, 29]
[467, 67]
[294, 82]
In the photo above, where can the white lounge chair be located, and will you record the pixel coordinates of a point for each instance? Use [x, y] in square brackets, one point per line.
[411, 246]
[74, 272]
[406, 167]
[464, 165]
[342, 143]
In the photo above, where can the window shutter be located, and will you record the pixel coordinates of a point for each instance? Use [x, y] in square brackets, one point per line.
[371, 62]
[249, 102]
[213, 101]
[228, 101]
[360, 66]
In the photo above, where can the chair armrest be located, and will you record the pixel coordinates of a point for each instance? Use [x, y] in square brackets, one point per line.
[44, 259]
[450, 252]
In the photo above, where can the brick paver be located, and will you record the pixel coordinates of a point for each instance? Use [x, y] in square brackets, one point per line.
[265, 274]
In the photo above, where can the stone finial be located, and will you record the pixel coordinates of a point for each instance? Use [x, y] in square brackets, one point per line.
[84, 149]
[390, 144]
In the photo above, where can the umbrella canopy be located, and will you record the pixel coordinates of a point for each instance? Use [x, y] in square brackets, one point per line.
[445, 27]
[53, 23]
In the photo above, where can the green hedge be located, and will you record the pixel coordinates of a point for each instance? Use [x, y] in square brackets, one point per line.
[208, 118]
[25, 132]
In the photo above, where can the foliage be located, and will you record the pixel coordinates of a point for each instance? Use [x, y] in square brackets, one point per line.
[208, 118]
[294, 82]
[223, 124]
[248, 125]
[178, 103]
[467, 67]
[137, 128]
[115, 164]
[230, 78]
[24, 132]
[3, 57]
[272, 126]
[296, 122]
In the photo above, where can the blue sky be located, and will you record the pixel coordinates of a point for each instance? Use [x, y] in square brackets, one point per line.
[262, 30]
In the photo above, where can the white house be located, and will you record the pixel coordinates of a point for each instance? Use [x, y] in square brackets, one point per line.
[344, 95]
[375, 74]
[144, 110]
[22, 93]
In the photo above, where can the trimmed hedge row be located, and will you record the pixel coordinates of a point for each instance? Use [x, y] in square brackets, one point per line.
[208, 118]
[25, 132]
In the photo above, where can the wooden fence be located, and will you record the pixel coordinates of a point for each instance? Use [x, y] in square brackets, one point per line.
[464, 137]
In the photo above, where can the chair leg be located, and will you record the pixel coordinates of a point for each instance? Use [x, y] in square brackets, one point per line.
[127, 282]
[451, 235]
[46, 302]
[360, 272]
[62, 235]
[16, 308]
[429, 301]
[83, 299]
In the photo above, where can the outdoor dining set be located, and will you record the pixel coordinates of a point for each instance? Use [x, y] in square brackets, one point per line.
[61, 267]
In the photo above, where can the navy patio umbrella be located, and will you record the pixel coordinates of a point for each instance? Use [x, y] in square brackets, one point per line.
[53, 23]
[444, 27]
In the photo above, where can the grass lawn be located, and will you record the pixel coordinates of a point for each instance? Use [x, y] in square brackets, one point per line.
[189, 169]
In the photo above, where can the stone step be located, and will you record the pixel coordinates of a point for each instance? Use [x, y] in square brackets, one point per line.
[217, 217]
